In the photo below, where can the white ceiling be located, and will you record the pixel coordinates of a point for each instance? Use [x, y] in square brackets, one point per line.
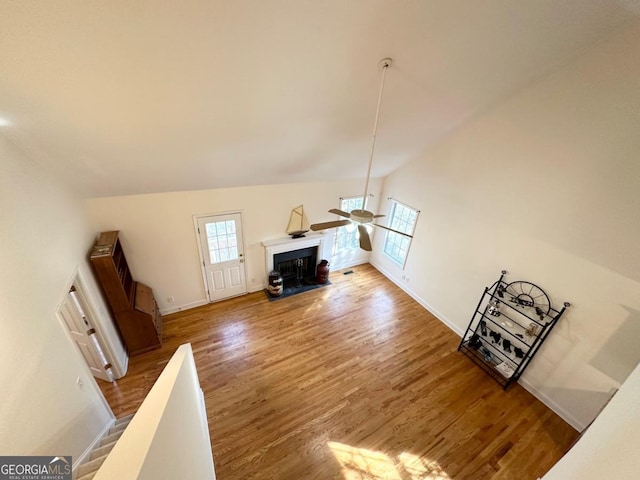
[128, 97]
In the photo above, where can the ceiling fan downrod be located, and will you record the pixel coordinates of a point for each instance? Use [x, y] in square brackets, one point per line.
[361, 217]
[385, 63]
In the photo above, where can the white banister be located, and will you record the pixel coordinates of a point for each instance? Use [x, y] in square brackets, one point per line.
[168, 438]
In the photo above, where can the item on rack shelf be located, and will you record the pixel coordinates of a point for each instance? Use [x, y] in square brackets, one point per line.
[532, 331]
[519, 335]
[518, 351]
[540, 313]
[493, 308]
[505, 369]
[501, 290]
[487, 355]
[522, 301]
[483, 328]
[507, 324]
[475, 342]
[506, 345]
[495, 336]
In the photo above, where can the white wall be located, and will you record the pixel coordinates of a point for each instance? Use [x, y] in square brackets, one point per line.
[609, 448]
[44, 240]
[159, 239]
[546, 186]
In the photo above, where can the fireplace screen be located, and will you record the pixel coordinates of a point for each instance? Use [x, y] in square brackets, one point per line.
[297, 265]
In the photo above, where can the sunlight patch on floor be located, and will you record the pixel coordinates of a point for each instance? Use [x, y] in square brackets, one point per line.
[361, 464]
[364, 464]
[419, 469]
[234, 334]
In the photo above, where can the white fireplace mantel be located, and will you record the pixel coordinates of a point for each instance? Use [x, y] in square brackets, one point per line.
[288, 244]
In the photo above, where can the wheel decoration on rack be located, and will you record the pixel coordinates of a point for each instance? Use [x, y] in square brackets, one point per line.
[526, 294]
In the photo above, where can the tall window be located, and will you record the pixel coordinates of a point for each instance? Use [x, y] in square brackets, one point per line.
[403, 219]
[347, 236]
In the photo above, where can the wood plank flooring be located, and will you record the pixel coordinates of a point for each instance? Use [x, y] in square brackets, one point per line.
[354, 380]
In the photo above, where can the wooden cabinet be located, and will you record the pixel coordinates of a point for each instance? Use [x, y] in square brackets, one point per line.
[132, 303]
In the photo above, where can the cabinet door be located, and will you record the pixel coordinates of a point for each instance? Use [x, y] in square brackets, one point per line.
[146, 303]
[144, 298]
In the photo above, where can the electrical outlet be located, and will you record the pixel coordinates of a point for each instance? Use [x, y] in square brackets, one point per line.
[170, 299]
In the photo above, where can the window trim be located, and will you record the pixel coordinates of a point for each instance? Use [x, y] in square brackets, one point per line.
[392, 210]
[337, 251]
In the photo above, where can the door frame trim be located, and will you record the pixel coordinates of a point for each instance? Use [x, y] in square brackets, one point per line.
[119, 365]
[201, 259]
[76, 279]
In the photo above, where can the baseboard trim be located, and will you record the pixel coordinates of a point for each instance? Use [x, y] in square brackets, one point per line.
[186, 306]
[550, 403]
[337, 266]
[418, 299]
[199, 303]
[85, 455]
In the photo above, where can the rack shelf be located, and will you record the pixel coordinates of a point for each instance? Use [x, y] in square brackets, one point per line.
[503, 341]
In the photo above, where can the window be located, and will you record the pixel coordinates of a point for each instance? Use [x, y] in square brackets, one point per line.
[347, 236]
[222, 241]
[403, 219]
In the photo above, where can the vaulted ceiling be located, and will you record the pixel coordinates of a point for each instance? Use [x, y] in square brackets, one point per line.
[125, 97]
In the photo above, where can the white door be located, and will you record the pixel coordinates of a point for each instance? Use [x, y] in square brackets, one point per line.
[222, 255]
[73, 315]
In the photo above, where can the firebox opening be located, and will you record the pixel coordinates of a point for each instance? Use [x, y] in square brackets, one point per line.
[297, 267]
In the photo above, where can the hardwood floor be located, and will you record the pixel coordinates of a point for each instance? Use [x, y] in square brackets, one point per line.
[351, 381]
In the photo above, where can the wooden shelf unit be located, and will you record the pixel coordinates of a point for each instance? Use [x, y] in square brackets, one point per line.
[132, 303]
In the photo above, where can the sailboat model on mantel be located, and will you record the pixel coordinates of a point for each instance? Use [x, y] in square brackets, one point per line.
[298, 223]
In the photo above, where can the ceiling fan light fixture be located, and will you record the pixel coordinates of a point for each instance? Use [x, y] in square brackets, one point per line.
[361, 216]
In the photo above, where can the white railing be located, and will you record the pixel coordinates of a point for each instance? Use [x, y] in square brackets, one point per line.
[168, 438]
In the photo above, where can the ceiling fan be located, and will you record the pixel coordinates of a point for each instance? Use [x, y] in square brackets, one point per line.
[363, 217]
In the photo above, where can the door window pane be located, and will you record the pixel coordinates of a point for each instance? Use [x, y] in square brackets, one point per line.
[222, 241]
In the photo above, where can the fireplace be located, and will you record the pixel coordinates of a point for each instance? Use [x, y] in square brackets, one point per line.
[289, 255]
[296, 266]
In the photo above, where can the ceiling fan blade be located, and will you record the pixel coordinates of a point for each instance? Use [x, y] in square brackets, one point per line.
[365, 240]
[392, 230]
[340, 212]
[378, 216]
[325, 225]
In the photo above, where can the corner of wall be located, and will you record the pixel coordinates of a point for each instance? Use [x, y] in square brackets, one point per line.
[417, 298]
[549, 402]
